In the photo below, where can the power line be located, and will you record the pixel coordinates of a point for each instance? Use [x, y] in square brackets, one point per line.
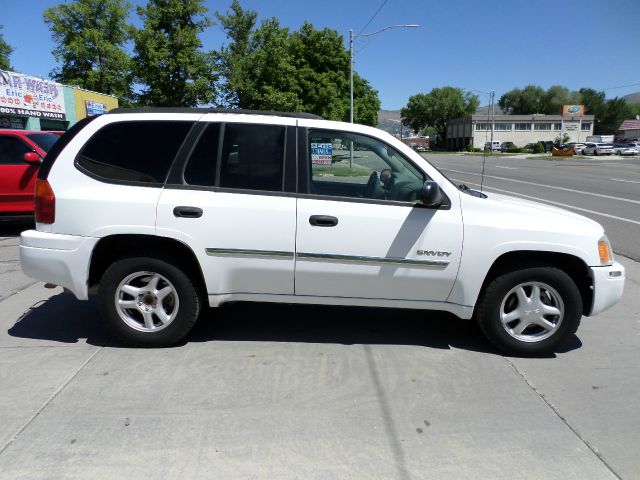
[621, 86]
[374, 16]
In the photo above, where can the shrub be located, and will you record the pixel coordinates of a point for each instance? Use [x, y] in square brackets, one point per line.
[538, 148]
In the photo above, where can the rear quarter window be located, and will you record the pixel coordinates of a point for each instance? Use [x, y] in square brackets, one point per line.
[133, 151]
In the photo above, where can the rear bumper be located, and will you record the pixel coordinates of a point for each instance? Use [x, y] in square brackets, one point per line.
[60, 259]
[608, 284]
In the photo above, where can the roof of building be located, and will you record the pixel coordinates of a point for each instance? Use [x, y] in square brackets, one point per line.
[630, 125]
[520, 118]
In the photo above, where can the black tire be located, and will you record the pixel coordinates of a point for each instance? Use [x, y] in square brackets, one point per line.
[557, 291]
[134, 325]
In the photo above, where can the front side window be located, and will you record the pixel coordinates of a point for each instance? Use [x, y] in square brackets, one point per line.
[356, 166]
[586, 126]
[137, 151]
[542, 126]
[522, 126]
[504, 127]
[12, 151]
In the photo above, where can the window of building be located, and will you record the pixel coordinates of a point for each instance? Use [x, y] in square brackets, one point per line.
[134, 151]
[253, 157]
[542, 126]
[376, 171]
[557, 126]
[522, 126]
[503, 127]
[483, 126]
[586, 126]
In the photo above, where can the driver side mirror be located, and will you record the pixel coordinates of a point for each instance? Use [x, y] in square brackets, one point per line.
[431, 195]
[31, 157]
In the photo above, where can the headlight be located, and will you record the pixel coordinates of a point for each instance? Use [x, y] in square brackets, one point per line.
[604, 250]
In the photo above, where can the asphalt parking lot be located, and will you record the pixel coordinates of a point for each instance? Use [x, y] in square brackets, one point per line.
[273, 391]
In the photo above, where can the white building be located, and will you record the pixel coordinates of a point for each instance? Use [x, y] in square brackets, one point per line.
[519, 129]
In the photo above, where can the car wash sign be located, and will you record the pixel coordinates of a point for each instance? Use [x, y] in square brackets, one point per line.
[30, 97]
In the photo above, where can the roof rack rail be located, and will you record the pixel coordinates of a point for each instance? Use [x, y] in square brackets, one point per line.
[214, 110]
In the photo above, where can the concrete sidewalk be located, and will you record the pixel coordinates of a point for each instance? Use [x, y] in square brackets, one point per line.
[271, 391]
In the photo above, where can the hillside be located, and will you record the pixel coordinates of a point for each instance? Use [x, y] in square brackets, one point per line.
[389, 121]
[632, 98]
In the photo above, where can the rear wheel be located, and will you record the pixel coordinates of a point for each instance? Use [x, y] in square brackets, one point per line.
[530, 311]
[148, 302]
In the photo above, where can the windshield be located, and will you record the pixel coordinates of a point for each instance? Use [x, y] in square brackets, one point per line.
[44, 140]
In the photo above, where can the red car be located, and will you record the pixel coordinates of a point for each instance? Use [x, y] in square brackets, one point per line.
[21, 152]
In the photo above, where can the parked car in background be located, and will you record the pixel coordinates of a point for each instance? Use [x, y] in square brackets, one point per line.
[577, 147]
[508, 147]
[548, 145]
[492, 146]
[597, 149]
[21, 152]
[625, 149]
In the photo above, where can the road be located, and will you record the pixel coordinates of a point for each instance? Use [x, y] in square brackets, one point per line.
[603, 189]
[261, 391]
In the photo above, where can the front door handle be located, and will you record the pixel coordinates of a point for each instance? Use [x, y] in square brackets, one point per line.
[323, 221]
[187, 212]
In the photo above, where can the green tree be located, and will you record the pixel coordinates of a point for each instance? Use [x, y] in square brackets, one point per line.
[524, 101]
[322, 72]
[258, 67]
[616, 110]
[90, 37]
[555, 97]
[267, 67]
[5, 52]
[169, 63]
[436, 108]
[593, 101]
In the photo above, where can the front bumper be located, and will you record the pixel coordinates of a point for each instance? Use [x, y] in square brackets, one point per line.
[59, 259]
[608, 284]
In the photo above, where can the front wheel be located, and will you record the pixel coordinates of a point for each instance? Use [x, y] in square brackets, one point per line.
[530, 311]
[148, 302]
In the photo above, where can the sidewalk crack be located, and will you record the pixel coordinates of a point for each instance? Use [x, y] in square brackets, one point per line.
[564, 420]
[49, 400]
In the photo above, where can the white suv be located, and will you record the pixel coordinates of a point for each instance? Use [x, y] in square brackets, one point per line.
[162, 212]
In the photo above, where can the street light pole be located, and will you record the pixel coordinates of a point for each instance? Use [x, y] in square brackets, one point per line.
[351, 75]
[493, 117]
[351, 38]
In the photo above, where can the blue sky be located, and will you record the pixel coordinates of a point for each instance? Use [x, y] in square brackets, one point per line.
[483, 44]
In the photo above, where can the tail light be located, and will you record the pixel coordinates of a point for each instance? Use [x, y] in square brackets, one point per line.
[45, 202]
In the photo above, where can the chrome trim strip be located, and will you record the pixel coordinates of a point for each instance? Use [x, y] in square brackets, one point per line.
[249, 253]
[379, 260]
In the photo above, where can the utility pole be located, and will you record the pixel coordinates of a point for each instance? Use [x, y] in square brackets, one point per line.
[493, 117]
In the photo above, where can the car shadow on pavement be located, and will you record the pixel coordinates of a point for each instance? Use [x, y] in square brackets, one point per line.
[64, 319]
[13, 228]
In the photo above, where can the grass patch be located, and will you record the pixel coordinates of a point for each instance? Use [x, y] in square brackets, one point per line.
[341, 170]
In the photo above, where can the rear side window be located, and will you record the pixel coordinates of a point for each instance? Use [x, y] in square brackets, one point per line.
[44, 140]
[251, 157]
[138, 151]
[201, 169]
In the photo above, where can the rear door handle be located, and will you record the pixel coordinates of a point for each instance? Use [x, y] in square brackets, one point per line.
[187, 212]
[323, 221]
